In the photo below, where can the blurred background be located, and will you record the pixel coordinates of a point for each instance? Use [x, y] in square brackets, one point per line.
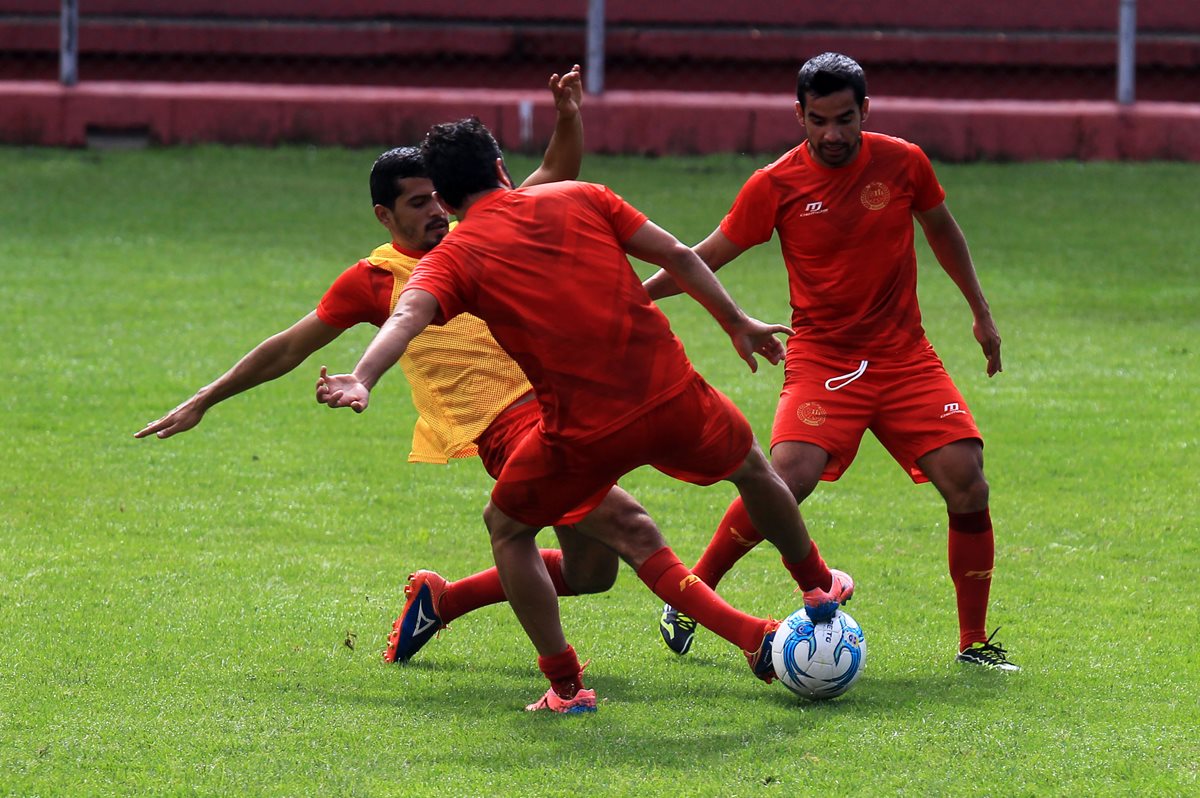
[1109, 51]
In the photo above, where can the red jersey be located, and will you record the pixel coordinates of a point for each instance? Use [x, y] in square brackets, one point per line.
[460, 378]
[544, 267]
[847, 241]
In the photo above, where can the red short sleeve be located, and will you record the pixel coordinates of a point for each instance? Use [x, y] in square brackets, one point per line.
[626, 219]
[751, 220]
[927, 191]
[356, 296]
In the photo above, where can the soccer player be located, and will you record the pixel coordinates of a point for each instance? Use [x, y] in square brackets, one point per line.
[546, 267]
[468, 393]
[843, 203]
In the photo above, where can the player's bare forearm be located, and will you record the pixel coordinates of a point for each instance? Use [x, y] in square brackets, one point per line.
[268, 361]
[716, 251]
[354, 390]
[564, 153]
[749, 336]
[949, 246]
[274, 357]
[661, 285]
[385, 349]
[413, 313]
[700, 284]
[683, 269]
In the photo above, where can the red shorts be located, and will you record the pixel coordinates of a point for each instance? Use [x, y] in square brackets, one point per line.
[697, 436]
[502, 436]
[910, 404]
[497, 442]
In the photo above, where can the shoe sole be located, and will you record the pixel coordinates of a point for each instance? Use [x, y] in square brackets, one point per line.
[991, 666]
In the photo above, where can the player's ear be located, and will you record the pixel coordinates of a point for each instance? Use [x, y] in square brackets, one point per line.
[502, 174]
[445, 205]
[866, 106]
[384, 216]
[800, 113]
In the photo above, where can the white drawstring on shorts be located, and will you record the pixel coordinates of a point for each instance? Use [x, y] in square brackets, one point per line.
[841, 381]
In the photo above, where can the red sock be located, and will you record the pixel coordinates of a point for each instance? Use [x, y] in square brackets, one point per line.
[972, 550]
[734, 538]
[672, 582]
[484, 588]
[564, 673]
[811, 571]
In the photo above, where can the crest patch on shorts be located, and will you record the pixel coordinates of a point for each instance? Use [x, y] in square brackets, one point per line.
[811, 413]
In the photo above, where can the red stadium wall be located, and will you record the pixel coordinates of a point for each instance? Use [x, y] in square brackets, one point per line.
[619, 122]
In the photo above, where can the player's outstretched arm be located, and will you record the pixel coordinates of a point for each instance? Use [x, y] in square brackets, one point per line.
[949, 246]
[564, 153]
[272, 358]
[749, 336]
[715, 251]
[413, 313]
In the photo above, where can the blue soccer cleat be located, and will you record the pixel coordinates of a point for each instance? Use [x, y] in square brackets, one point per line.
[760, 659]
[419, 620]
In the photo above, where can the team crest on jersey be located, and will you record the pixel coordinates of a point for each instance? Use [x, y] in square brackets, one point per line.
[811, 413]
[875, 196]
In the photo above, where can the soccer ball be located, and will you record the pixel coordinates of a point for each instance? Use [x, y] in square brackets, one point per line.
[818, 660]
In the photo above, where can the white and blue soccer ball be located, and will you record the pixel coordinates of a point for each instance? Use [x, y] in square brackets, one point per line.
[819, 660]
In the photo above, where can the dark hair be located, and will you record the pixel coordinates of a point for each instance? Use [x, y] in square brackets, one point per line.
[461, 159]
[829, 73]
[392, 167]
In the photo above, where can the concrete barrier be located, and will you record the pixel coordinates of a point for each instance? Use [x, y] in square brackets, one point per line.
[45, 113]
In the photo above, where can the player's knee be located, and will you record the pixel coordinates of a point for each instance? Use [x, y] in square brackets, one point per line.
[500, 527]
[968, 494]
[978, 492]
[636, 523]
[800, 467]
[639, 536]
[754, 470]
[800, 480]
[801, 486]
[492, 518]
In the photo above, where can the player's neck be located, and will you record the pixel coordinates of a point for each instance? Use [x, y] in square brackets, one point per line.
[471, 199]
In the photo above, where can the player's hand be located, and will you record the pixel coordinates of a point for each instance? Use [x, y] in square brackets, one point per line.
[752, 336]
[181, 419]
[568, 92]
[989, 340]
[342, 390]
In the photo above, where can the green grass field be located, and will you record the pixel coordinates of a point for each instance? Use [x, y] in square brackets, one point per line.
[204, 615]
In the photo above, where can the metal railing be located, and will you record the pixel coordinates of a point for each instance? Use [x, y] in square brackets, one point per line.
[596, 39]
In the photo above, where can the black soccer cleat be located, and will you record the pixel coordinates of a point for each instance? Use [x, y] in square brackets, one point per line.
[988, 655]
[678, 630]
